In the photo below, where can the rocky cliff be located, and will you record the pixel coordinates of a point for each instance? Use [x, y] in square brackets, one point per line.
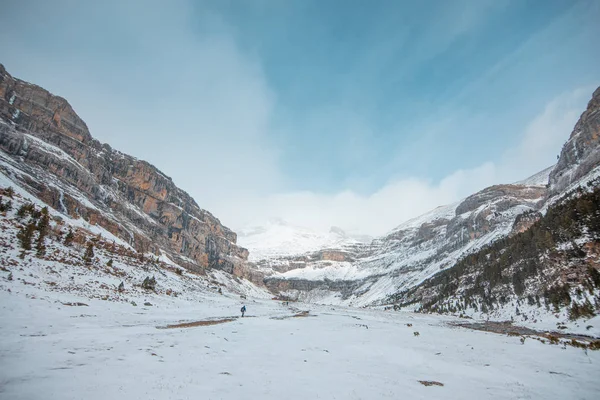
[367, 274]
[580, 155]
[378, 273]
[46, 148]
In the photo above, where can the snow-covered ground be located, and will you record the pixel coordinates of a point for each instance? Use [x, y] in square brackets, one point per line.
[67, 332]
[115, 350]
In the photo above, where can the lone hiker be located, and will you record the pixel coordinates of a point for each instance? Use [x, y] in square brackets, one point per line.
[243, 310]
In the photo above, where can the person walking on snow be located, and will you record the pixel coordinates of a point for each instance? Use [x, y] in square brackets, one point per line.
[243, 310]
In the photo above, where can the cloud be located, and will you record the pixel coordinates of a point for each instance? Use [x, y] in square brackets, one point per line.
[402, 199]
[169, 82]
[543, 138]
[164, 81]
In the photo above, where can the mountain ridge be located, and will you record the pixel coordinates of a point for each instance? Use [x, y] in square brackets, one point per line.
[419, 248]
[49, 150]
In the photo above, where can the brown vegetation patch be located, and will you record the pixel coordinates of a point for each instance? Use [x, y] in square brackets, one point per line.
[301, 314]
[556, 338]
[75, 304]
[431, 383]
[197, 323]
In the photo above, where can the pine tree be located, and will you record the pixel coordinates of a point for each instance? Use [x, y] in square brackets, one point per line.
[28, 208]
[109, 263]
[5, 206]
[69, 238]
[25, 236]
[89, 253]
[595, 276]
[22, 211]
[42, 228]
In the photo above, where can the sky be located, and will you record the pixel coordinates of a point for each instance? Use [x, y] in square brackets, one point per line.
[356, 114]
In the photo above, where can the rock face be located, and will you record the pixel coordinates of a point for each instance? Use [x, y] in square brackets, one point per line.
[580, 156]
[420, 248]
[365, 274]
[48, 150]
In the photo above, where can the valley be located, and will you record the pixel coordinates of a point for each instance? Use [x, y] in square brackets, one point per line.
[109, 272]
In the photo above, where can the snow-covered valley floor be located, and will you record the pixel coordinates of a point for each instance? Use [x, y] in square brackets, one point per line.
[114, 350]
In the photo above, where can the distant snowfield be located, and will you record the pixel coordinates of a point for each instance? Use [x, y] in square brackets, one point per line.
[277, 238]
[111, 350]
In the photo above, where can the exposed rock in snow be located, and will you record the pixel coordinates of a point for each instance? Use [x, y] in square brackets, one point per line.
[48, 151]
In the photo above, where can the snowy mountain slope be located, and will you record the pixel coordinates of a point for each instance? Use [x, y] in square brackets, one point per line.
[62, 268]
[413, 251]
[68, 329]
[278, 238]
[47, 149]
[539, 179]
[549, 270]
[424, 246]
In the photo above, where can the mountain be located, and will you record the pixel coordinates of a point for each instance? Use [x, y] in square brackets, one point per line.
[553, 263]
[553, 259]
[384, 271]
[47, 150]
[365, 274]
[483, 256]
[278, 238]
[579, 156]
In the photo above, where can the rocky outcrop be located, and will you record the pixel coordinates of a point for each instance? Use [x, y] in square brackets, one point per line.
[334, 255]
[509, 196]
[524, 221]
[410, 253]
[581, 153]
[49, 150]
[300, 289]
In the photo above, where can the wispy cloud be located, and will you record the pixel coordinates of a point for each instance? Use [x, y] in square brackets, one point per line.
[192, 102]
[402, 199]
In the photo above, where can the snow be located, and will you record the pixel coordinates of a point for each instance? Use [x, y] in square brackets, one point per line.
[538, 318]
[165, 258]
[140, 213]
[581, 183]
[111, 348]
[539, 179]
[277, 238]
[335, 271]
[55, 151]
[442, 212]
[114, 350]
[6, 181]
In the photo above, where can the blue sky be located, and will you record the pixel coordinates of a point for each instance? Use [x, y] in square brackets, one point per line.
[351, 113]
